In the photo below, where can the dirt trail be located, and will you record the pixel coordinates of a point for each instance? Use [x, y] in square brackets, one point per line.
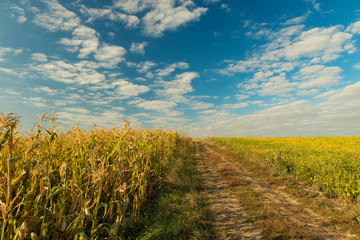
[231, 220]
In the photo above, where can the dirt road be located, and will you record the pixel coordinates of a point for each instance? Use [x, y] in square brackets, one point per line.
[280, 215]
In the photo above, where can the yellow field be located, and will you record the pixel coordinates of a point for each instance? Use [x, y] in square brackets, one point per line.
[77, 184]
[331, 163]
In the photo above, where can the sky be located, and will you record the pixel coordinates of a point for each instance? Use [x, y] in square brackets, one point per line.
[206, 67]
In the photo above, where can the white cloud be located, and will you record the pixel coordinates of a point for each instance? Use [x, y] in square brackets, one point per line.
[12, 72]
[142, 67]
[354, 28]
[110, 55]
[161, 106]
[36, 101]
[57, 17]
[132, 6]
[84, 40]
[235, 105]
[357, 66]
[165, 16]
[125, 89]
[297, 20]
[293, 61]
[84, 117]
[40, 57]
[12, 92]
[225, 7]
[7, 50]
[241, 96]
[19, 14]
[201, 105]
[138, 47]
[336, 115]
[317, 76]
[130, 21]
[315, 5]
[78, 73]
[170, 69]
[325, 43]
[307, 92]
[176, 88]
[79, 110]
[208, 112]
[46, 90]
[157, 16]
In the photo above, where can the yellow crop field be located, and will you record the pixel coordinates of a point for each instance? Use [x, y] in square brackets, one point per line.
[331, 163]
[77, 184]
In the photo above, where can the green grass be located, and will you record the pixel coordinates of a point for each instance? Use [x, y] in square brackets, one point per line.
[179, 210]
[330, 163]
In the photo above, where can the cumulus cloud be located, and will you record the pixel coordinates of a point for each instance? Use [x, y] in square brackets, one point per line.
[12, 72]
[4, 51]
[47, 90]
[79, 73]
[315, 76]
[235, 105]
[293, 60]
[18, 14]
[40, 57]
[154, 16]
[142, 67]
[165, 16]
[125, 89]
[315, 5]
[85, 117]
[171, 68]
[57, 17]
[84, 40]
[138, 47]
[176, 88]
[130, 21]
[132, 6]
[324, 43]
[110, 55]
[201, 105]
[161, 106]
[354, 28]
[336, 115]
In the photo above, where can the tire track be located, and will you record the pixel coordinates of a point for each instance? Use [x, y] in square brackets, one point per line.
[215, 168]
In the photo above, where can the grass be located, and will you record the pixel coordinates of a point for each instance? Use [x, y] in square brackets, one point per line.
[179, 210]
[330, 163]
[342, 213]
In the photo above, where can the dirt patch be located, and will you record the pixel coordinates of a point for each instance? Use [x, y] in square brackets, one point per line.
[232, 221]
[222, 176]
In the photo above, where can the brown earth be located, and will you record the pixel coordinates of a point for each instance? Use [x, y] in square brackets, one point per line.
[280, 213]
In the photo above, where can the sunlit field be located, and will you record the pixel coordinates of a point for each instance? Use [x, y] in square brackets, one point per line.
[77, 184]
[331, 163]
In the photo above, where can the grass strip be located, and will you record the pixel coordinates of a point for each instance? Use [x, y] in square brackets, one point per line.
[179, 209]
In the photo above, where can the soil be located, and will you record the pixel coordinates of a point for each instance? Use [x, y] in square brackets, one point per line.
[222, 174]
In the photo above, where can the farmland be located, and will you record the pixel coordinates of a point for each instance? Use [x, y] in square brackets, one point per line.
[331, 163]
[79, 184]
[126, 183]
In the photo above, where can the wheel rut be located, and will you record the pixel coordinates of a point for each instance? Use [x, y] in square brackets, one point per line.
[231, 221]
[231, 218]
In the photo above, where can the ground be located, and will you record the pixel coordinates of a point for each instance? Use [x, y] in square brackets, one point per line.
[248, 202]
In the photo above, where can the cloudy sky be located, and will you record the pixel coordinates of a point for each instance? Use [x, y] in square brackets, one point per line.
[207, 67]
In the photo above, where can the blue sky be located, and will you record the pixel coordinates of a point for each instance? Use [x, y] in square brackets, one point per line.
[209, 67]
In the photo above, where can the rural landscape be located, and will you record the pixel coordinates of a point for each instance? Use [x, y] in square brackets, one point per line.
[126, 183]
[179, 119]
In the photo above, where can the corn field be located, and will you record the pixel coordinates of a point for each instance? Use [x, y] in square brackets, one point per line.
[77, 184]
[331, 163]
